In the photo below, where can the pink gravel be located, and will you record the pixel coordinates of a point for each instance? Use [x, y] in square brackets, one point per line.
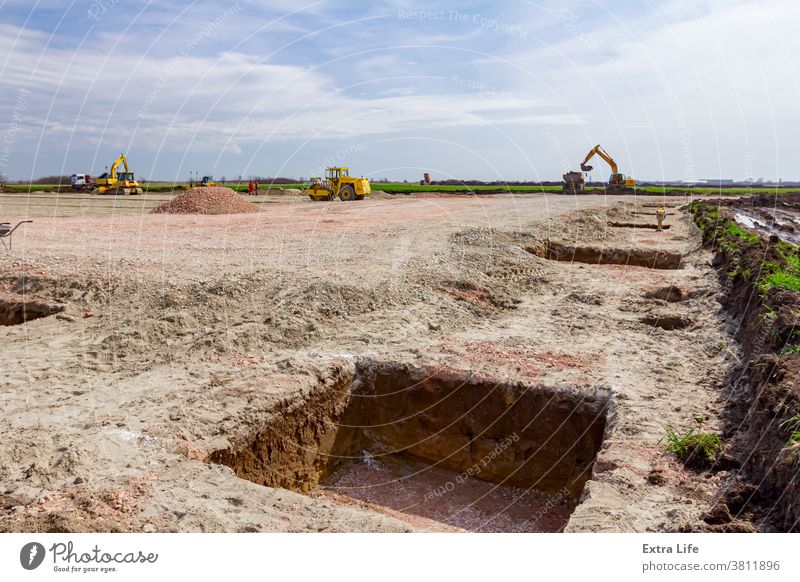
[207, 200]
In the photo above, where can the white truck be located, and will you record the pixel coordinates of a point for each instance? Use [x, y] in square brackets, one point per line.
[81, 182]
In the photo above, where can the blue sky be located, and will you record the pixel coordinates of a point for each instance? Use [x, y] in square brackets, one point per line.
[514, 90]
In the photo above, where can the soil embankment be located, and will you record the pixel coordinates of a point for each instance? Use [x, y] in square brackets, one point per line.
[761, 275]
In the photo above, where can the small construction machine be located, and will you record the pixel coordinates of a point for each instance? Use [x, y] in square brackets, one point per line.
[338, 182]
[200, 183]
[113, 182]
[616, 180]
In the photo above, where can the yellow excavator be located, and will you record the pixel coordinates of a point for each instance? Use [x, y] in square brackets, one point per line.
[616, 178]
[113, 182]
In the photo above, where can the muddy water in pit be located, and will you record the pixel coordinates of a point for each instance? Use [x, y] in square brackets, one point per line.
[783, 225]
[438, 448]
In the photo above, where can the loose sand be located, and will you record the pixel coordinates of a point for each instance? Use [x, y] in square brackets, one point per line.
[182, 335]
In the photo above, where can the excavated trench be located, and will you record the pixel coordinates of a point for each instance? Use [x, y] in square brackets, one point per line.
[667, 322]
[636, 257]
[438, 448]
[638, 225]
[15, 312]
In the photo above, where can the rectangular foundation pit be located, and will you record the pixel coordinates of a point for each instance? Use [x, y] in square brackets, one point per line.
[639, 225]
[602, 255]
[439, 449]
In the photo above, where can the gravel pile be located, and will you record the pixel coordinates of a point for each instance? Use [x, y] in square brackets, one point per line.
[207, 200]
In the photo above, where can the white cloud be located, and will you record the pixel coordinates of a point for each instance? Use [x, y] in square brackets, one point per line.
[643, 81]
[208, 98]
[720, 75]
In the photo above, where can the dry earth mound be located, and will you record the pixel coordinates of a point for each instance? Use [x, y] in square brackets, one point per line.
[207, 200]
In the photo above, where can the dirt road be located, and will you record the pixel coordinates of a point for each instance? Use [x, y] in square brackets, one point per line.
[187, 350]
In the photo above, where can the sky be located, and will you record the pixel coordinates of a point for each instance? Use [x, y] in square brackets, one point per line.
[488, 90]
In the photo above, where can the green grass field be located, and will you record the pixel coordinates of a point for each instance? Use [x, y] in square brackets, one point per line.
[403, 188]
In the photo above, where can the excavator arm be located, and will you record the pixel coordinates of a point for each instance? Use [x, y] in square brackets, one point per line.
[603, 154]
[616, 178]
[120, 160]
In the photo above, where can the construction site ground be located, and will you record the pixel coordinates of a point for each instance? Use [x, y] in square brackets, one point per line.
[172, 340]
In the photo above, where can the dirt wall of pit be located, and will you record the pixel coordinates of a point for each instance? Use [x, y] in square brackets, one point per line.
[296, 440]
[511, 433]
[765, 389]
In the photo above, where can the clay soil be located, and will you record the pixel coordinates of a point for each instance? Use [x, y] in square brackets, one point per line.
[182, 337]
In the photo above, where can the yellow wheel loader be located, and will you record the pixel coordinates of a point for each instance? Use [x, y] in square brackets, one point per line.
[113, 182]
[338, 182]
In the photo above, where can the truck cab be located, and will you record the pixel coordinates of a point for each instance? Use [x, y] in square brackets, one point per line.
[80, 181]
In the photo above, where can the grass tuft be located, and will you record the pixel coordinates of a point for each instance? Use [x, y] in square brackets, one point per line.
[790, 350]
[793, 444]
[786, 276]
[694, 447]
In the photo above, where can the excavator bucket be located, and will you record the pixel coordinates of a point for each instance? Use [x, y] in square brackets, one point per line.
[586, 168]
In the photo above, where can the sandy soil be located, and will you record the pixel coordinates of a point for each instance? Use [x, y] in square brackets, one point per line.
[182, 332]
[426, 497]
